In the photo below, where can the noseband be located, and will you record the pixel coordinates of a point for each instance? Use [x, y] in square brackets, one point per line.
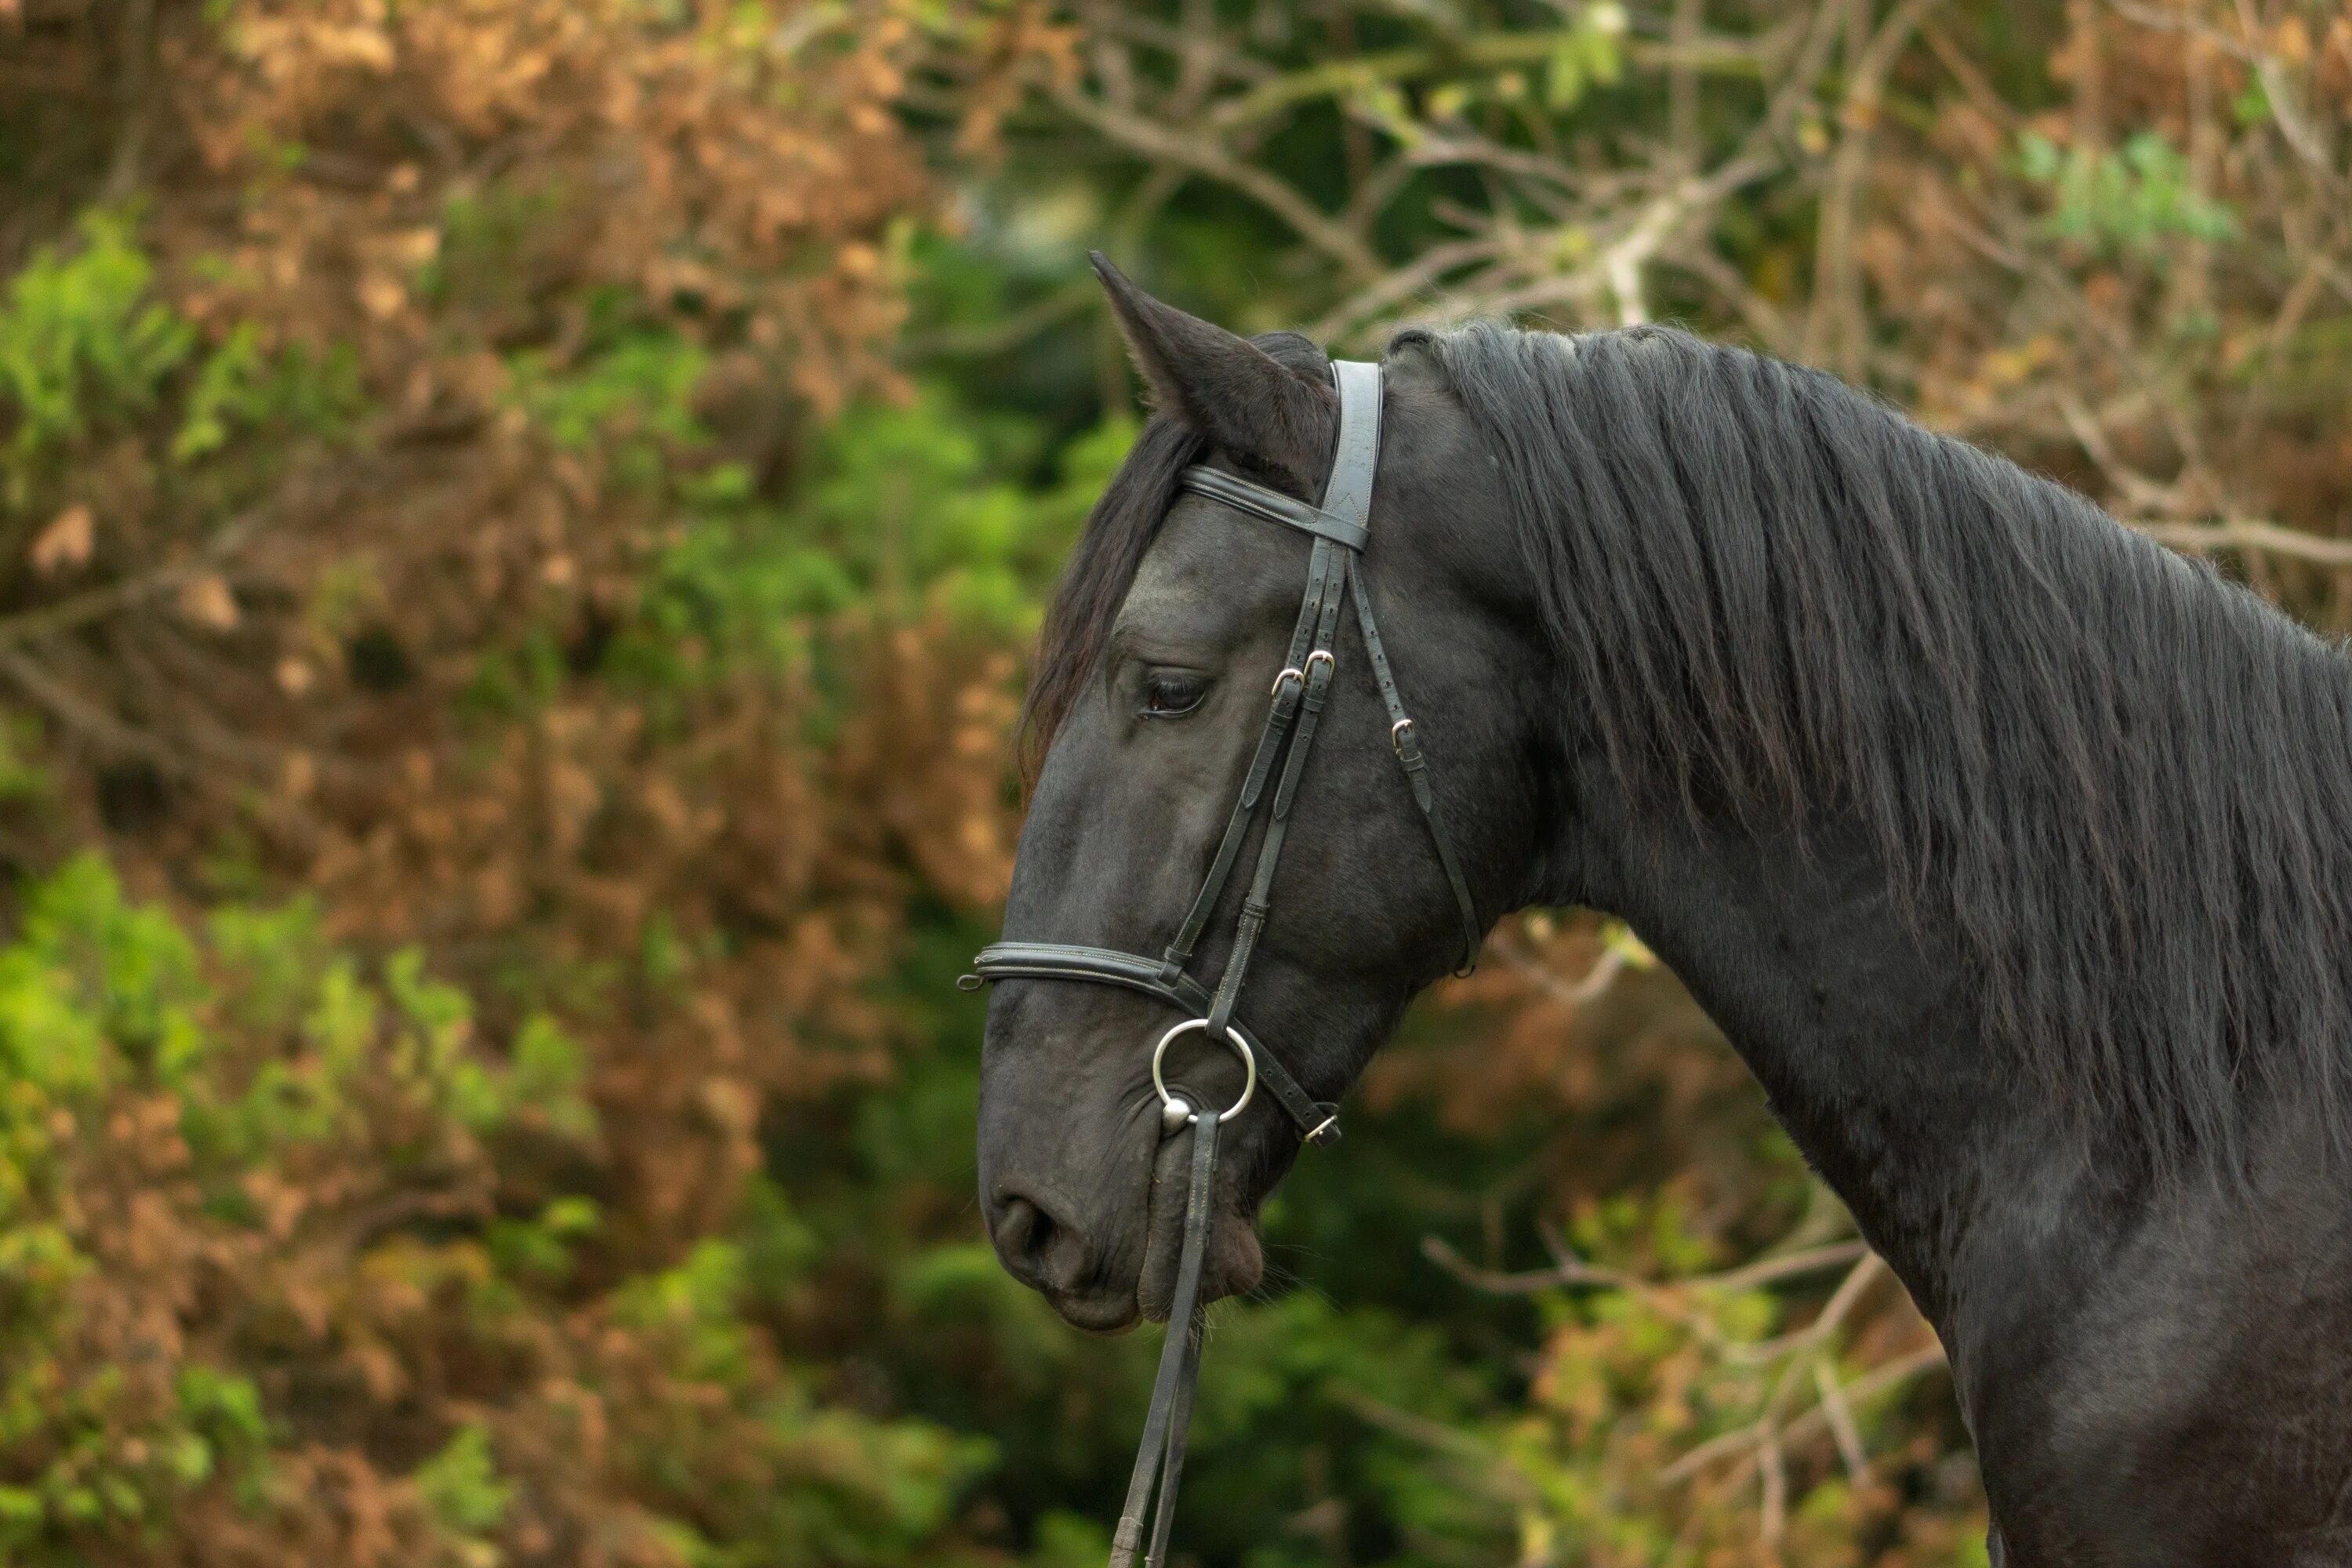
[1340, 528]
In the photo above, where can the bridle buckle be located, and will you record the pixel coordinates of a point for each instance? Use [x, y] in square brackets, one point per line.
[1295, 672]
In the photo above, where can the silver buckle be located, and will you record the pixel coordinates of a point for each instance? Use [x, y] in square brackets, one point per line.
[1396, 735]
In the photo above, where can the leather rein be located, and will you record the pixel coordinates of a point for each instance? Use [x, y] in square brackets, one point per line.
[1340, 529]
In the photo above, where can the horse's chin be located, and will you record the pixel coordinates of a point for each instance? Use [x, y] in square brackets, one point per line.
[1103, 1324]
[1235, 1262]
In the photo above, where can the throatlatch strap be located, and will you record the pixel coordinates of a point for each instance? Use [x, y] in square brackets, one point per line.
[1406, 743]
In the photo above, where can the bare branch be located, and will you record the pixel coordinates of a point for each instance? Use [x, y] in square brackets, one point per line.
[1745, 1440]
[1572, 1272]
[2135, 486]
[2300, 135]
[2247, 533]
[1837, 330]
[78, 712]
[98, 603]
[1580, 992]
[1483, 51]
[1840, 1416]
[1617, 269]
[1152, 139]
[1770, 1460]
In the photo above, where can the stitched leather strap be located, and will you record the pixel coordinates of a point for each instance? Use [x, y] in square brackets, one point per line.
[1288, 687]
[1327, 590]
[1160, 1456]
[1272, 506]
[1317, 1120]
[1348, 499]
[1356, 454]
[1406, 743]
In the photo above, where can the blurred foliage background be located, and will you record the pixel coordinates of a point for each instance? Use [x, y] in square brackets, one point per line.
[520, 522]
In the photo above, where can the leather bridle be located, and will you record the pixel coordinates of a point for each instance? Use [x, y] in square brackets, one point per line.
[1340, 528]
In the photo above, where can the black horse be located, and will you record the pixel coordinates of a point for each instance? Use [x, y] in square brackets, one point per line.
[2012, 852]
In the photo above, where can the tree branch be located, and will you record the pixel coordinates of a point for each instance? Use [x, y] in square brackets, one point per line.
[2246, 533]
[97, 604]
[1152, 140]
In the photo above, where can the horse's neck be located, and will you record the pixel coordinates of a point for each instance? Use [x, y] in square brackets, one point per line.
[1865, 1037]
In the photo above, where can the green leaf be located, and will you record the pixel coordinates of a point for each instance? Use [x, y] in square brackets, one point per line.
[460, 1484]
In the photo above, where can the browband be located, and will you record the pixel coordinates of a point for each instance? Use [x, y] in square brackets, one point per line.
[1273, 506]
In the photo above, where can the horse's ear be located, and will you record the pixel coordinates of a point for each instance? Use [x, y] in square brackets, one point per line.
[1259, 412]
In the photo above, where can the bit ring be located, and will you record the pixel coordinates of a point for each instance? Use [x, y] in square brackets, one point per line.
[1233, 1038]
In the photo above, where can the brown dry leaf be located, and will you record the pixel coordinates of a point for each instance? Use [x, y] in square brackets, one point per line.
[66, 541]
[414, 247]
[206, 601]
[382, 297]
[367, 47]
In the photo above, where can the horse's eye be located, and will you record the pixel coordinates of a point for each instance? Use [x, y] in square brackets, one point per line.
[1172, 693]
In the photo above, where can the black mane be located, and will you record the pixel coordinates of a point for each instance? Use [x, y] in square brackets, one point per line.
[2125, 782]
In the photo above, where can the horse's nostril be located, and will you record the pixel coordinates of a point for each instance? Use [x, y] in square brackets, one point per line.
[1038, 1249]
[1024, 1230]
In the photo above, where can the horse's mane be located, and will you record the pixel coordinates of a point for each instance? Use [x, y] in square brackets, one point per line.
[2124, 782]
